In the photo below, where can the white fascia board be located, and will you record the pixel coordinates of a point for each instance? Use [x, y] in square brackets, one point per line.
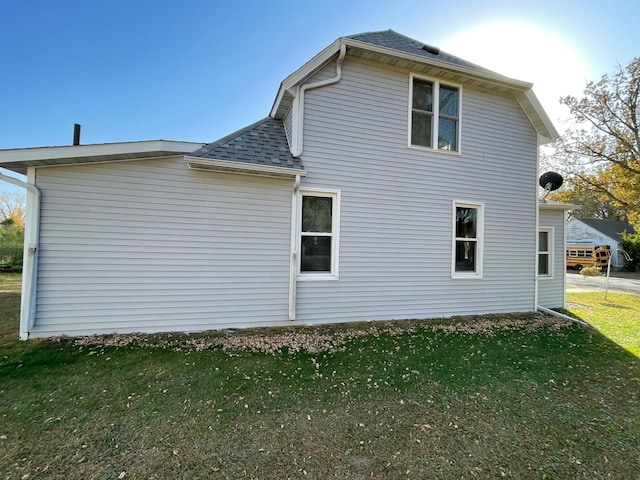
[96, 150]
[196, 163]
[325, 55]
[538, 117]
[304, 72]
[556, 206]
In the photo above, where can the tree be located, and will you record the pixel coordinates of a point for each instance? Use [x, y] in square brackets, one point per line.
[12, 206]
[600, 153]
[12, 215]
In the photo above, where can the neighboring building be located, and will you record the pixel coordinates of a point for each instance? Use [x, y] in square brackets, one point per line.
[390, 180]
[593, 231]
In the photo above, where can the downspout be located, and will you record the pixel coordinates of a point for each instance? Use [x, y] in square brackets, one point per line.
[299, 101]
[293, 259]
[28, 302]
[561, 315]
[537, 232]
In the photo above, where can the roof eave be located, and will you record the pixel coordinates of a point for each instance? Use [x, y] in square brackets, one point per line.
[537, 116]
[229, 166]
[18, 159]
[302, 74]
[544, 205]
[527, 99]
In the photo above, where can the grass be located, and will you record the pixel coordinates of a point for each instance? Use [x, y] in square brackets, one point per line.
[512, 396]
[618, 318]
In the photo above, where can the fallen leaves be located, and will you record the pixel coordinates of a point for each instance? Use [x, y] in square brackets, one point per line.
[322, 339]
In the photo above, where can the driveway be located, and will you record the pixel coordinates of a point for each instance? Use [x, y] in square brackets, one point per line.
[623, 284]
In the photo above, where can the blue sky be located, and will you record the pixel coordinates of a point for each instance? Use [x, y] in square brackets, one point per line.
[192, 70]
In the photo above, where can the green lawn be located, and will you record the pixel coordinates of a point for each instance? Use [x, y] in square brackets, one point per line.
[513, 396]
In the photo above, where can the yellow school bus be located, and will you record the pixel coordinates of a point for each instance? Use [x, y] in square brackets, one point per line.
[580, 256]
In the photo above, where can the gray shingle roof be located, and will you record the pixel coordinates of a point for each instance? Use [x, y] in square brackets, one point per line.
[610, 228]
[397, 41]
[263, 143]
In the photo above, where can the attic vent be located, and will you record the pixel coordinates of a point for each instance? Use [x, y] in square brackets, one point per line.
[431, 49]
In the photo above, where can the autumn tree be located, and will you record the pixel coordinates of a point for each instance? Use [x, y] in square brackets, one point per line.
[12, 216]
[600, 153]
[12, 206]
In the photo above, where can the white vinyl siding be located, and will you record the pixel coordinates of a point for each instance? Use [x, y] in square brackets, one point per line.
[551, 289]
[395, 237]
[153, 246]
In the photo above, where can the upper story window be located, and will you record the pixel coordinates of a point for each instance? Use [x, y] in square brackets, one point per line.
[319, 229]
[468, 237]
[435, 115]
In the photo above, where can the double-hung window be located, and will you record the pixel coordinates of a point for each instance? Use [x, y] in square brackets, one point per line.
[319, 213]
[545, 252]
[435, 115]
[468, 233]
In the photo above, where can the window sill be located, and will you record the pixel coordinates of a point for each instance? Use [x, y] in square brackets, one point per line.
[318, 277]
[434, 150]
[469, 276]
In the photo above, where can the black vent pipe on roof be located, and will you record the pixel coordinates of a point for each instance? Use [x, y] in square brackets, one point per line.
[76, 133]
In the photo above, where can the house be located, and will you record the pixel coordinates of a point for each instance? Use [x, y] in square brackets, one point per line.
[390, 180]
[594, 231]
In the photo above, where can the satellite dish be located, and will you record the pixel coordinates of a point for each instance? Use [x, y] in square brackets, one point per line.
[550, 181]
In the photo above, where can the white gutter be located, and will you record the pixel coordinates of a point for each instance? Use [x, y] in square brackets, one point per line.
[293, 259]
[298, 103]
[30, 264]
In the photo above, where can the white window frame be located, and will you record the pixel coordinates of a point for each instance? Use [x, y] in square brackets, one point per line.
[335, 234]
[550, 231]
[477, 274]
[436, 114]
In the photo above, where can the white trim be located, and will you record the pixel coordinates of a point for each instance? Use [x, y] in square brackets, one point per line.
[551, 244]
[524, 93]
[30, 251]
[537, 116]
[491, 77]
[335, 233]
[436, 114]
[93, 150]
[196, 163]
[298, 104]
[479, 239]
[293, 256]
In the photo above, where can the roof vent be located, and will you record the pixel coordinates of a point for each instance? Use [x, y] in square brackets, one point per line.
[431, 49]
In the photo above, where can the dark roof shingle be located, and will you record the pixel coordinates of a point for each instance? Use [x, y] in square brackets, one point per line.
[262, 143]
[610, 228]
[396, 41]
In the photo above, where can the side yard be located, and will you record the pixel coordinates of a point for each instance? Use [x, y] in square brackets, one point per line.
[514, 396]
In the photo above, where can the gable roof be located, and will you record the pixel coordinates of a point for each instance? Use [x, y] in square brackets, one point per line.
[395, 49]
[610, 228]
[259, 148]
